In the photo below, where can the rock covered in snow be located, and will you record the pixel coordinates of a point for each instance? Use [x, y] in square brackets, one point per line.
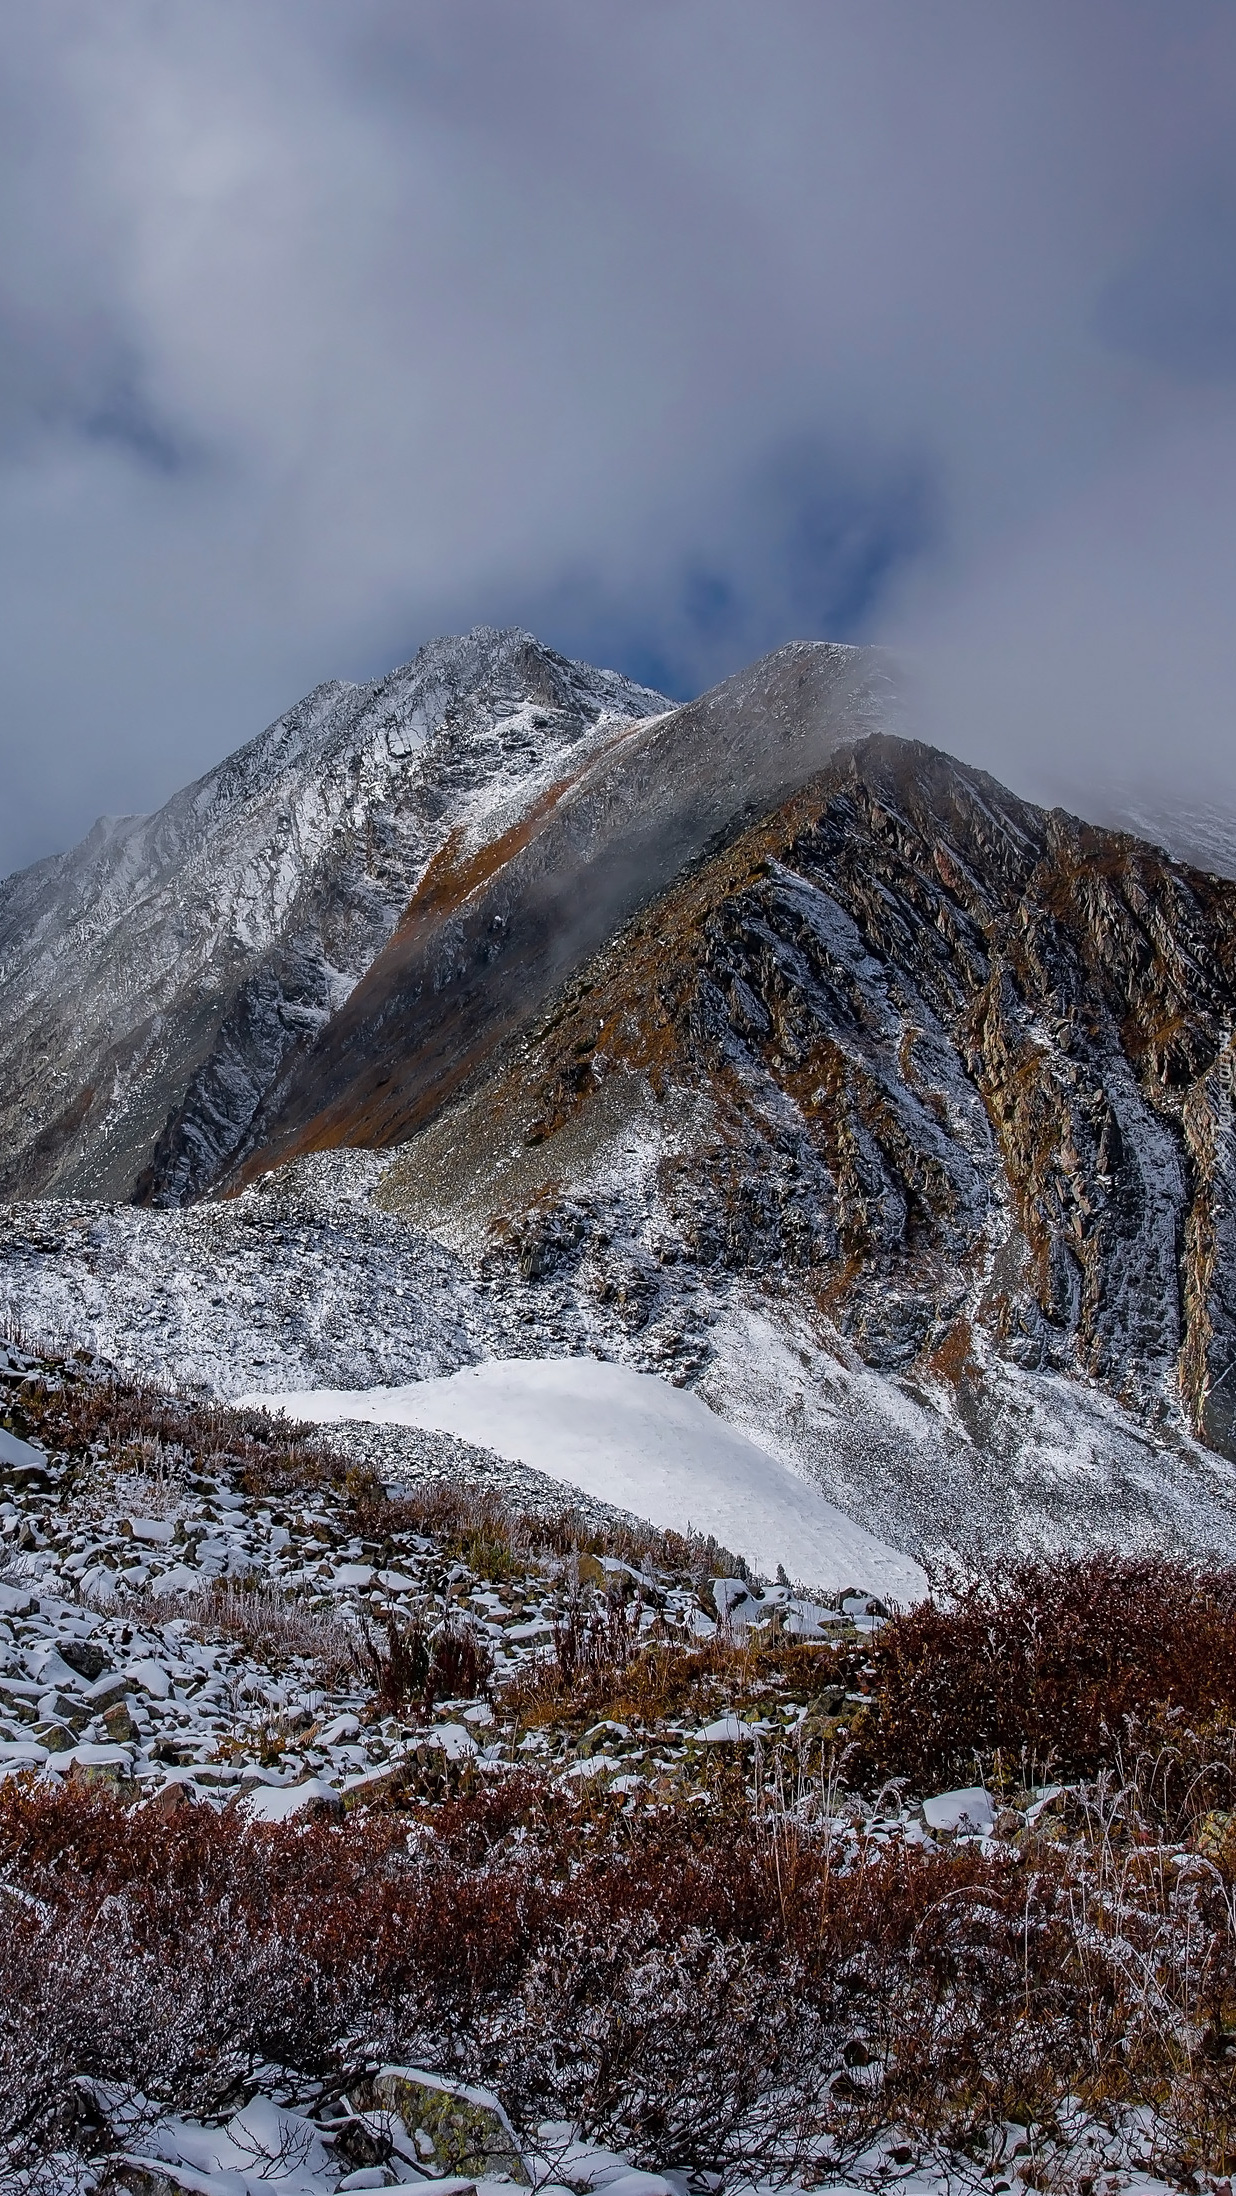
[967, 1810]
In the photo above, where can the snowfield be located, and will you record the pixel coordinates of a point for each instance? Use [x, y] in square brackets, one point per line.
[635, 1441]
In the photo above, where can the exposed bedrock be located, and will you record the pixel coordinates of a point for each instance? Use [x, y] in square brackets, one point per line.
[955, 1063]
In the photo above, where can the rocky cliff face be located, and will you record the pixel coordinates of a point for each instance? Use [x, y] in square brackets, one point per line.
[154, 981]
[962, 1068]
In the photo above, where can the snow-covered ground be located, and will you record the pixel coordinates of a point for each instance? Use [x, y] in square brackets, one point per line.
[634, 1440]
[298, 2148]
[173, 1624]
[161, 1624]
[312, 1281]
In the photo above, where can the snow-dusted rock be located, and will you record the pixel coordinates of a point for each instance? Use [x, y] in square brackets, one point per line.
[270, 1803]
[101, 1759]
[106, 1692]
[48, 1668]
[729, 1730]
[164, 971]
[151, 1676]
[466, 2129]
[969, 1809]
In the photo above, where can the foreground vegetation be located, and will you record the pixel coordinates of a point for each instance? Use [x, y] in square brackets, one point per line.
[747, 1958]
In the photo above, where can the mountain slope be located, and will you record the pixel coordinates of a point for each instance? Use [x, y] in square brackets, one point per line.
[743, 1043]
[501, 915]
[154, 980]
[961, 1068]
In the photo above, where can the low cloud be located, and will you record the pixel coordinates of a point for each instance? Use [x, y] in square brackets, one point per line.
[666, 327]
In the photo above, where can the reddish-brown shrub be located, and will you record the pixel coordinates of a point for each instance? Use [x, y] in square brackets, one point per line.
[1049, 1665]
[414, 1665]
[711, 1986]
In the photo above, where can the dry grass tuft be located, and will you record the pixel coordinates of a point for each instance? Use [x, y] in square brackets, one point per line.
[497, 1538]
[74, 1408]
[415, 1663]
[273, 1627]
[602, 1664]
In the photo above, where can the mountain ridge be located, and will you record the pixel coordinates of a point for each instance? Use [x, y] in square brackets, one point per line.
[192, 949]
[749, 1043]
[492, 928]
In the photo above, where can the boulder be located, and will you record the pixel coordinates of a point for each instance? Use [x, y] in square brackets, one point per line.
[308, 1800]
[84, 1656]
[64, 1708]
[470, 2134]
[967, 1811]
[169, 1799]
[105, 1693]
[151, 1676]
[56, 1737]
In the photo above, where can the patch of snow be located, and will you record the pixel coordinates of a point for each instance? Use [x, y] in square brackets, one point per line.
[729, 1730]
[20, 1753]
[638, 1442]
[353, 1574]
[13, 1451]
[455, 1740]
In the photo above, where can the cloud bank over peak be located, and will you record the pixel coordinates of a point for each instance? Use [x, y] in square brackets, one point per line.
[668, 329]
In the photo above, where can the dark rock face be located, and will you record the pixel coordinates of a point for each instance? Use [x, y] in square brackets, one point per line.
[968, 1072]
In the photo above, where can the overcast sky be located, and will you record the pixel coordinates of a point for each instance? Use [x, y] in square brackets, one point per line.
[672, 329]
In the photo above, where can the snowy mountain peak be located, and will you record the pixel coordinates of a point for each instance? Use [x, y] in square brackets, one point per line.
[192, 947]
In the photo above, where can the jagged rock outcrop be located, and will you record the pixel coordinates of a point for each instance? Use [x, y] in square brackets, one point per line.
[155, 980]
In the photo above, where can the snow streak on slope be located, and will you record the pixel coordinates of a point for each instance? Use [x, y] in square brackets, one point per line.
[634, 1440]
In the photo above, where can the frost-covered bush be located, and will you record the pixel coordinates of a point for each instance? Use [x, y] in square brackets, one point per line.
[704, 1985]
[1054, 1665]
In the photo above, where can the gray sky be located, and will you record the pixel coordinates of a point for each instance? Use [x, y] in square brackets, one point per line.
[670, 328]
